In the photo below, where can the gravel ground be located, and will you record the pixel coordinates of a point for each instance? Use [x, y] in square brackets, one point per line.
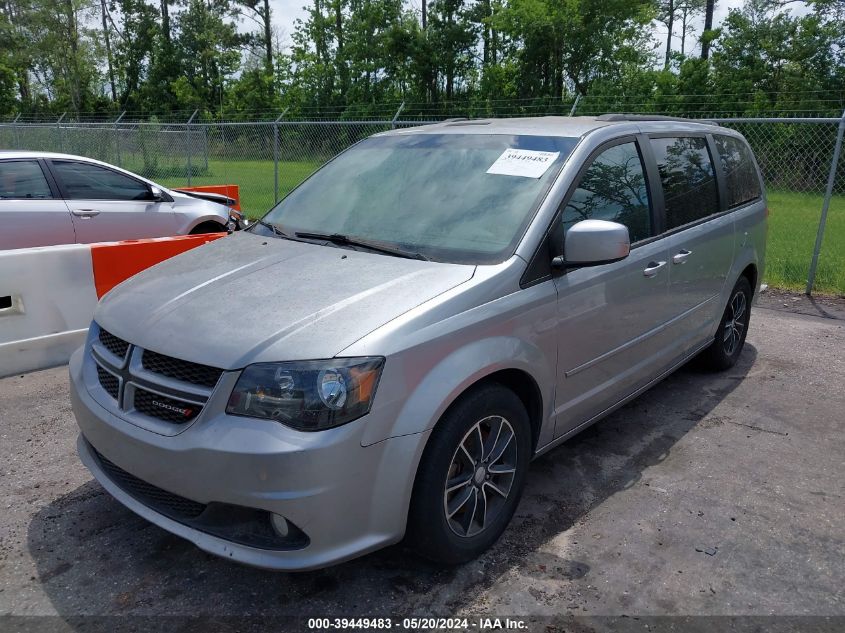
[710, 495]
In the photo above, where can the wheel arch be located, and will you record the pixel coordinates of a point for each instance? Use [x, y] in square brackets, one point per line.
[208, 225]
[750, 273]
[513, 362]
[525, 387]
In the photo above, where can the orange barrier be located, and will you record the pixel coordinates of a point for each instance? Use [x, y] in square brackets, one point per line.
[114, 262]
[230, 191]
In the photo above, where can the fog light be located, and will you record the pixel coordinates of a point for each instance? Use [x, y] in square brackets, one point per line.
[280, 524]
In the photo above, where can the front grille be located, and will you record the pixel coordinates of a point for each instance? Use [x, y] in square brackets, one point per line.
[116, 346]
[109, 382]
[164, 408]
[138, 392]
[167, 503]
[183, 370]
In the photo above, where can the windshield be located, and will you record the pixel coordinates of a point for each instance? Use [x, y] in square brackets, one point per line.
[429, 193]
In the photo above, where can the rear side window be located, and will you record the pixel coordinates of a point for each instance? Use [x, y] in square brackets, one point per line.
[688, 179]
[23, 179]
[613, 188]
[741, 181]
[83, 181]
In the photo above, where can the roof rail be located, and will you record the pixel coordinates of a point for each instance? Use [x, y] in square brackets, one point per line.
[651, 117]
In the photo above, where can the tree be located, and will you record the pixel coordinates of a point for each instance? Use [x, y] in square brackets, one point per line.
[707, 35]
[569, 44]
[208, 48]
[259, 12]
[689, 10]
[8, 74]
[667, 10]
[164, 6]
[135, 52]
[15, 54]
[451, 34]
[66, 67]
[107, 39]
[789, 61]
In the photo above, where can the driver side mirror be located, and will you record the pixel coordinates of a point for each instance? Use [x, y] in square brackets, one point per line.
[156, 193]
[594, 242]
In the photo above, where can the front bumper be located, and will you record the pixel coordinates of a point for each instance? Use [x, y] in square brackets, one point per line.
[348, 499]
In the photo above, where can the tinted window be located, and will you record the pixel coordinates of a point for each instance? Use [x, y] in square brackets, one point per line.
[83, 181]
[741, 181]
[613, 189]
[689, 184]
[23, 179]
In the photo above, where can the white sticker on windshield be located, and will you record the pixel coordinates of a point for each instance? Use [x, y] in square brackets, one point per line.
[523, 162]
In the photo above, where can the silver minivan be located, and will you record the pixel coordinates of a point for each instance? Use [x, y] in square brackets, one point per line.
[383, 354]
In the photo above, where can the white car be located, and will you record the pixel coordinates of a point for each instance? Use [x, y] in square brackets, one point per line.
[48, 199]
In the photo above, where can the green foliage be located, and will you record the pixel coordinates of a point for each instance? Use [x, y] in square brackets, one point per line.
[354, 58]
[135, 50]
[8, 74]
[790, 62]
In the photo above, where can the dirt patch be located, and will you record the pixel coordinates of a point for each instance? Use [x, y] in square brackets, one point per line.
[825, 306]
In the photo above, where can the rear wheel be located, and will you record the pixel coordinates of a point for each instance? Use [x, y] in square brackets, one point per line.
[733, 328]
[471, 476]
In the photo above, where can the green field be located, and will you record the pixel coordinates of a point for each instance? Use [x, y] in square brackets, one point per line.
[255, 178]
[793, 220]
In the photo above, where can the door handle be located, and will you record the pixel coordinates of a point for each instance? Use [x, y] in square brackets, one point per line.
[653, 268]
[681, 256]
[85, 214]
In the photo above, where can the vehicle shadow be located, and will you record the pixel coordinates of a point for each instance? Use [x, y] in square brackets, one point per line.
[94, 557]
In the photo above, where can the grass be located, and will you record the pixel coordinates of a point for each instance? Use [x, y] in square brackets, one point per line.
[793, 220]
[255, 178]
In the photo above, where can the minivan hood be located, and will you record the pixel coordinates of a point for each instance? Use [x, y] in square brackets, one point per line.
[247, 298]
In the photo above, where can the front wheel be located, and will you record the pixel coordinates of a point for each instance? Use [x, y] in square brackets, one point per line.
[727, 345]
[208, 227]
[471, 476]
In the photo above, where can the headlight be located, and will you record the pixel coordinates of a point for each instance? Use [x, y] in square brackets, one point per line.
[307, 395]
[237, 221]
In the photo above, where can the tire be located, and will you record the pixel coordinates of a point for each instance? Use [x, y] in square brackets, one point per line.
[453, 446]
[729, 340]
[208, 227]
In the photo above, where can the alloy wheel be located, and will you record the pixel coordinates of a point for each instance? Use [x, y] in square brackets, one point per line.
[480, 476]
[735, 322]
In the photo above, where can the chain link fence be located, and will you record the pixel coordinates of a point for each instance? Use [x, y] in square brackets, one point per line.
[269, 158]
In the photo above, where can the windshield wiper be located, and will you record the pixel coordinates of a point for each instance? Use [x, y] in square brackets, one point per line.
[345, 240]
[276, 230]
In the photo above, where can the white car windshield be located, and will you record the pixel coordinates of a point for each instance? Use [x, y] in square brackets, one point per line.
[464, 198]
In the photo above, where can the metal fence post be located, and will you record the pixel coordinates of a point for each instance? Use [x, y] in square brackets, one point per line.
[117, 137]
[396, 116]
[575, 105]
[17, 132]
[276, 155]
[59, 131]
[205, 146]
[188, 143]
[828, 194]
